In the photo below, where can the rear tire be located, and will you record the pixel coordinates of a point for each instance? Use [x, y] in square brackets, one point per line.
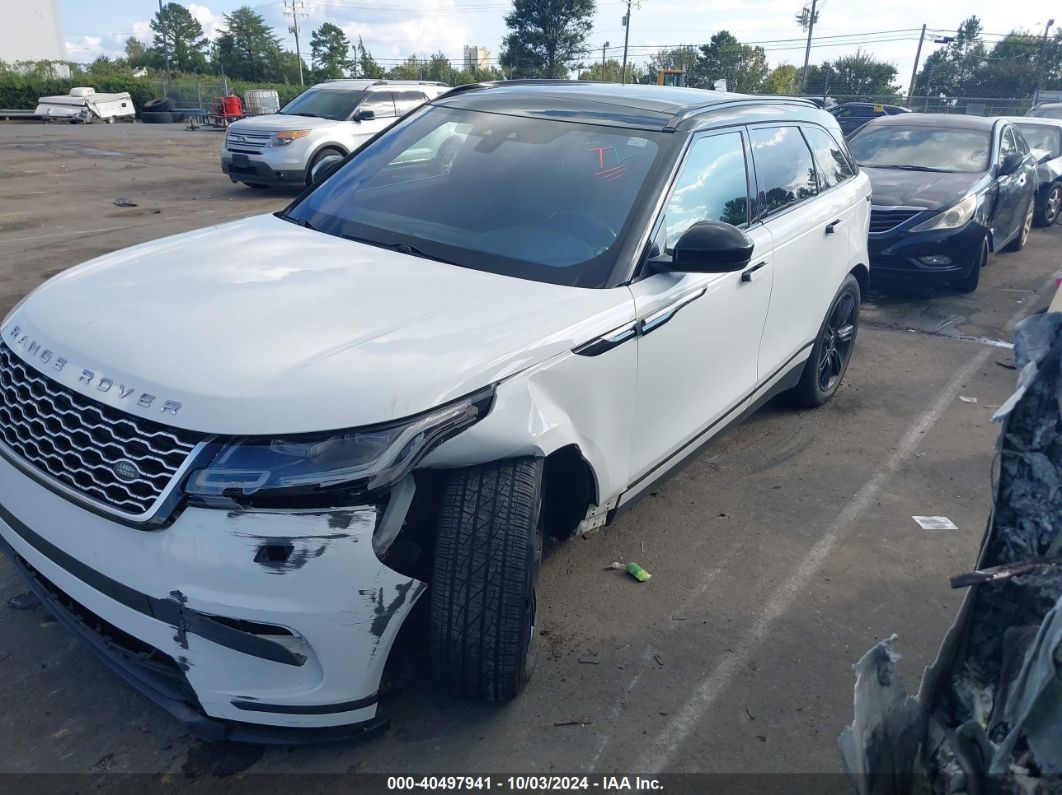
[1047, 213]
[969, 282]
[488, 549]
[832, 350]
[1018, 243]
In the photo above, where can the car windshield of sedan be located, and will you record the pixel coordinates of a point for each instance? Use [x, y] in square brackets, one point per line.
[1046, 137]
[922, 148]
[527, 197]
[327, 103]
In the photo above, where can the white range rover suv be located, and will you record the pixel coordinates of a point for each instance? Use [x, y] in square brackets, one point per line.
[233, 460]
[326, 122]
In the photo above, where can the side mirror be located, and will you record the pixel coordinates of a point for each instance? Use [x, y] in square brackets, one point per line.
[327, 166]
[710, 247]
[1011, 163]
[365, 115]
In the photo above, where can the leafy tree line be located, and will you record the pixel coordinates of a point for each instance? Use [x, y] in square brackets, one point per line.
[966, 67]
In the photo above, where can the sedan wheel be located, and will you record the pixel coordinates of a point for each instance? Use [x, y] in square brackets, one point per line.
[1048, 211]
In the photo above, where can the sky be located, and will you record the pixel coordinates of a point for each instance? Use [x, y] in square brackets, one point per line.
[394, 29]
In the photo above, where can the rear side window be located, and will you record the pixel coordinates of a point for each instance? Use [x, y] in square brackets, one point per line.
[380, 103]
[712, 186]
[407, 100]
[1041, 136]
[831, 164]
[785, 172]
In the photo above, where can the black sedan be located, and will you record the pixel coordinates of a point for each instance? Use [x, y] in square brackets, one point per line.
[853, 115]
[947, 190]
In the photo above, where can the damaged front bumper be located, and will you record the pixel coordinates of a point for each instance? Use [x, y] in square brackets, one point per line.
[256, 626]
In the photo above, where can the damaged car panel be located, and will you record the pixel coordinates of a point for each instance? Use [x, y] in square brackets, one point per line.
[988, 715]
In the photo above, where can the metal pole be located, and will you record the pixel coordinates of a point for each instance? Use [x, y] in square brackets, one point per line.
[626, 38]
[807, 50]
[1040, 63]
[914, 71]
[603, 48]
[165, 50]
[295, 30]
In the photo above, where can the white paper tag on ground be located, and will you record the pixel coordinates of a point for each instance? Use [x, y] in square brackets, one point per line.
[935, 523]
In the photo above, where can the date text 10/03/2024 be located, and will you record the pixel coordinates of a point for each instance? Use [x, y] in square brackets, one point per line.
[524, 783]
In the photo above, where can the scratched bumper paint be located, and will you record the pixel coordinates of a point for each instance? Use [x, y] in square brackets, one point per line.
[342, 606]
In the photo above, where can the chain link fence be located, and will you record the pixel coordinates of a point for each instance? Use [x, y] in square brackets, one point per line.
[973, 106]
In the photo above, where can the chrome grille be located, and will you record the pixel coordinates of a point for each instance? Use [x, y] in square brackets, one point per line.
[250, 141]
[882, 219]
[79, 442]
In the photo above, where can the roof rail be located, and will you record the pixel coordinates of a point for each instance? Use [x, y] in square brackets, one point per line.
[704, 107]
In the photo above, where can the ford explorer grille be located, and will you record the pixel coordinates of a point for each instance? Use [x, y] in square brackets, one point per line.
[251, 142]
[882, 219]
[122, 462]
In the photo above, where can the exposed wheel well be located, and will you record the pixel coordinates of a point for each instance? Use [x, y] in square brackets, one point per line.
[862, 275]
[570, 489]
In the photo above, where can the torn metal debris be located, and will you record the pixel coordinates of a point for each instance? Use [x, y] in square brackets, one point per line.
[988, 715]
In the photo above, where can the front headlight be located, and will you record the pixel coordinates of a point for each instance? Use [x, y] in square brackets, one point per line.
[324, 469]
[286, 137]
[952, 218]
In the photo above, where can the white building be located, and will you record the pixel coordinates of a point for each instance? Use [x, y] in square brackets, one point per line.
[475, 57]
[32, 31]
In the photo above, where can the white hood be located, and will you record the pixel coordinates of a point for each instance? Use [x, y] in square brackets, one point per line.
[280, 121]
[264, 327]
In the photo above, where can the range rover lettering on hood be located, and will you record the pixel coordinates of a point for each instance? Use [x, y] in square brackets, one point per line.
[88, 378]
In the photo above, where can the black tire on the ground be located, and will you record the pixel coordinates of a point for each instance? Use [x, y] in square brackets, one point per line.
[1047, 211]
[969, 282]
[160, 105]
[327, 151]
[488, 548]
[1027, 217]
[159, 118]
[836, 339]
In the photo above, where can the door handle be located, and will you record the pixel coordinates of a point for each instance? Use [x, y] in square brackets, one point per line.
[746, 276]
[832, 226]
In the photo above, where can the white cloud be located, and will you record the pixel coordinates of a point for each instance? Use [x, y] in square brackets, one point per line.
[212, 23]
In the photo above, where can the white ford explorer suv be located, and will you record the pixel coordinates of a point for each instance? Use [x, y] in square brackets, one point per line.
[328, 121]
[233, 460]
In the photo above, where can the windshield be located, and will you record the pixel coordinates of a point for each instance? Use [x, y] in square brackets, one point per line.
[929, 148]
[532, 198]
[1043, 136]
[324, 104]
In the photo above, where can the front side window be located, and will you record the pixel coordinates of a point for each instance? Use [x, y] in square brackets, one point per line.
[785, 172]
[533, 198]
[831, 164]
[324, 103]
[712, 186]
[380, 103]
[1043, 137]
[922, 148]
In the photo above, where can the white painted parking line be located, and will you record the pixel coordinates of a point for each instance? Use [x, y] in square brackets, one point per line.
[663, 748]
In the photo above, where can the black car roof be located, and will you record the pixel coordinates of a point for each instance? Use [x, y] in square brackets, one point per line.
[950, 120]
[641, 106]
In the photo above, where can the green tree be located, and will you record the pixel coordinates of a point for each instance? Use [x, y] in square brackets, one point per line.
[330, 52]
[179, 36]
[611, 72]
[783, 79]
[137, 55]
[410, 69]
[854, 77]
[367, 66]
[546, 37]
[248, 49]
[952, 70]
[725, 58]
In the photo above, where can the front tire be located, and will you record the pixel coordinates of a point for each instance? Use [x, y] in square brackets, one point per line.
[1047, 213]
[488, 549]
[969, 282]
[833, 348]
[317, 158]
